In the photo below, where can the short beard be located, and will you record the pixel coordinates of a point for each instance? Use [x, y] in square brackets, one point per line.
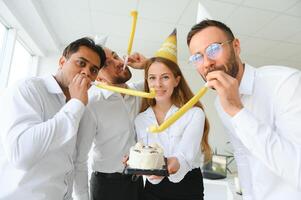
[232, 64]
[230, 67]
[124, 79]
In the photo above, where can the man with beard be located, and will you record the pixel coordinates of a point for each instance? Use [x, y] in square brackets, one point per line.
[108, 123]
[260, 108]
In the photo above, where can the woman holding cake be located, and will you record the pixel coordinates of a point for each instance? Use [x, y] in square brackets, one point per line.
[181, 141]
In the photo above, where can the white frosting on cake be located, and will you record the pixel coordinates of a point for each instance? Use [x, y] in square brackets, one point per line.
[146, 157]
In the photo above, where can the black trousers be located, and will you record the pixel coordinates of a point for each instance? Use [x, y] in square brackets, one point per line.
[115, 186]
[189, 188]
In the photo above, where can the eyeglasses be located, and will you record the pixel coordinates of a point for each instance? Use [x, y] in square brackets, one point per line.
[212, 51]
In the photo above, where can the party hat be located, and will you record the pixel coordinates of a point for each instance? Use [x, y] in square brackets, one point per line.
[202, 13]
[168, 49]
[101, 40]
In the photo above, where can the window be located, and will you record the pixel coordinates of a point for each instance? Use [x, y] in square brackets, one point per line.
[20, 66]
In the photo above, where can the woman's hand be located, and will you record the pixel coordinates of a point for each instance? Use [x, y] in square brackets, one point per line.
[173, 165]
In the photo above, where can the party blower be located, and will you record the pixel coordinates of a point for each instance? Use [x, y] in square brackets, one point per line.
[134, 14]
[150, 95]
[152, 92]
[179, 113]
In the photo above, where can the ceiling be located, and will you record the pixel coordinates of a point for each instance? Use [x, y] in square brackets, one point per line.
[269, 30]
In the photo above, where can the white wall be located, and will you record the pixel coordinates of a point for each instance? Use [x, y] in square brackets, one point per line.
[49, 64]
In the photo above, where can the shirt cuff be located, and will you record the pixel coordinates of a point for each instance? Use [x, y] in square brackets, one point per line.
[68, 120]
[244, 121]
[76, 108]
[180, 174]
[153, 181]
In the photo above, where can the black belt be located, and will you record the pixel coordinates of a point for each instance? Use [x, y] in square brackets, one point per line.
[115, 175]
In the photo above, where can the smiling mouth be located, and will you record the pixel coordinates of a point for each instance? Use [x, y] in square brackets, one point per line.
[160, 92]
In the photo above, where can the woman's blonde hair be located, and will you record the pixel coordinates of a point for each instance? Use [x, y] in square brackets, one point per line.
[181, 95]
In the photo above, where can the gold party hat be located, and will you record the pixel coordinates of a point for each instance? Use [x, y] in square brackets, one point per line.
[168, 49]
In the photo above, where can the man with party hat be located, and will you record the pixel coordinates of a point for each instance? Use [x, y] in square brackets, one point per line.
[180, 141]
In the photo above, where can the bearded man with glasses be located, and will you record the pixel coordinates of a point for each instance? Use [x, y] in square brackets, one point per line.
[260, 109]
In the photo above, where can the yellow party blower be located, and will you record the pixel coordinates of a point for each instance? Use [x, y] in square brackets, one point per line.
[134, 14]
[179, 113]
[150, 95]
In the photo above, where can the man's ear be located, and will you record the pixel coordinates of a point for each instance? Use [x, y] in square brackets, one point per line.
[62, 61]
[236, 46]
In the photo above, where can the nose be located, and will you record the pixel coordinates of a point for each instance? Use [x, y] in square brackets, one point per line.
[207, 64]
[86, 71]
[158, 83]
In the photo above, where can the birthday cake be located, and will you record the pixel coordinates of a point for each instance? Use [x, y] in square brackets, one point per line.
[146, 157]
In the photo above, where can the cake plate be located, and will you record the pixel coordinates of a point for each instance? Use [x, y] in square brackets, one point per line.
[157, 172]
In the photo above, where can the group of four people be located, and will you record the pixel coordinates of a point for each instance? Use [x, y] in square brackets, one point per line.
[49, 124]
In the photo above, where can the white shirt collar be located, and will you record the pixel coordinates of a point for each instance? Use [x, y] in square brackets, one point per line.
[247, 82]
[52, 85]
[107, 93]
[150, 112]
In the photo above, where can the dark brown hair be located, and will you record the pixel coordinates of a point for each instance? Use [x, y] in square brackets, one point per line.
[181, 95]
[87, 42]
[208, 23]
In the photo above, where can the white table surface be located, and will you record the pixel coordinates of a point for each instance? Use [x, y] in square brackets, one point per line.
[222, 189]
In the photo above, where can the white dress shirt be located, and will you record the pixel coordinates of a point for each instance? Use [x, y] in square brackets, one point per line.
[108, 123]
[266, 133]
[181, 140]
[38, 135]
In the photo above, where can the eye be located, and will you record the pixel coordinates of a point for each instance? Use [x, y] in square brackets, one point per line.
[81, 63]
[94, 70]
[166, 77]
[195, 58]
[213, 50]
[116, 57]
[151, 78]
[108, 62]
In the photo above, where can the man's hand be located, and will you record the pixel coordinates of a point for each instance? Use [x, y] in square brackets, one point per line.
[173, 165]
[137, 61]
[227, 89]
[79, 86]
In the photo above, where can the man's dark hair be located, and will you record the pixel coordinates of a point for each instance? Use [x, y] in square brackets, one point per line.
[208, 23]
[87, 42]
